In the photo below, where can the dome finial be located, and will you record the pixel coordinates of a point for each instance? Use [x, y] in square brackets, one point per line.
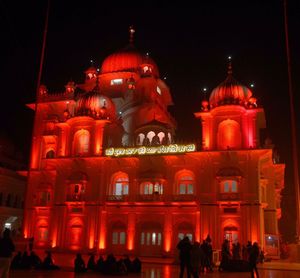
[131, 34]
[204, 90]
[97, 87]
[229, 68]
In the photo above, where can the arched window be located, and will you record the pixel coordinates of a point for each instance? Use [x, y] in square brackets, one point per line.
[148, 188]
[229, 135]
[43, 198]
[161, 136]
[16, 201]
[77, 186]
[169, 138]
[8, 200]
[229, 186]
[140, 139]
[185, 182]
[120, 184]
[76, 192]
[118, 234]
[81, 142]
[150, 136]
[50, 154]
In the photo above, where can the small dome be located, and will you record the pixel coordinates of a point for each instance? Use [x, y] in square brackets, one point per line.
[128, 59]
[230, 91]
[95, 105]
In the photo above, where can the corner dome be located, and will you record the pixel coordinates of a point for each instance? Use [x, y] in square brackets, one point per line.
[228, 92]
[95, 105]
[128, 59]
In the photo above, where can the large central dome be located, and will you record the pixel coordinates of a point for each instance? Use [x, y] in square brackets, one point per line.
[128, 59]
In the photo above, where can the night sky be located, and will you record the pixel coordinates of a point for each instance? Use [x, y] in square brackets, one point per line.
[190, 45]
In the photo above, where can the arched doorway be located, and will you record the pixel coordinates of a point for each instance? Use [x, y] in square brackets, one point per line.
[231, 234]
[117, 238]
[41, 234]
[150, 239]
[184, 229]
[229, 135]
[75, 235]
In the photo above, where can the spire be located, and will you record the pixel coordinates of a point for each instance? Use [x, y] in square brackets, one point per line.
[204, 90]
[229, 67]
[97, 87]
[131, 34]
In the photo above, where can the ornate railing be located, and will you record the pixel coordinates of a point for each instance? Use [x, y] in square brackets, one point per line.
[232, 196]
[75, 198]
[151, 198]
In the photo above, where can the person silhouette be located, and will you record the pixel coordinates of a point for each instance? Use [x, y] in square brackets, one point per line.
[184, 246]
[7, 248]
[254, 253]
[79, 264]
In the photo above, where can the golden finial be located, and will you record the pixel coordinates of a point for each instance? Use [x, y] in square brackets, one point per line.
[131, 34]
[229, 69]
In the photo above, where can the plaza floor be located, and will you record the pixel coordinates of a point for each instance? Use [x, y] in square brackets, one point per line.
[156, 268]
[156, 271]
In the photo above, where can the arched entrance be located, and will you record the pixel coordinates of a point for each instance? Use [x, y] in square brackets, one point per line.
[117, 238]
[75, 235]
[229, 135]
[41, 232]
[150, 239]
[184, 229]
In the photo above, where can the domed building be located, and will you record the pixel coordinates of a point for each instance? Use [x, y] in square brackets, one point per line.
[116, 181]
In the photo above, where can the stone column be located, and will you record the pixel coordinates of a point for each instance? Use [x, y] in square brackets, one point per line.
[99, 134]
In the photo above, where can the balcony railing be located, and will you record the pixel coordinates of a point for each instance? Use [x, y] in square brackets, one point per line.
[41, 203]
[151, 198]
[232, 196]
[75, 198]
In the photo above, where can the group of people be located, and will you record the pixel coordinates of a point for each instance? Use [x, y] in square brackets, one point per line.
[245, 258]
[195, 257]
[33, 261]
[109, 266]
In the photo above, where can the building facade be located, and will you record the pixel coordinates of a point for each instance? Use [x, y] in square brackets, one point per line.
[106, 173]
[12, 188]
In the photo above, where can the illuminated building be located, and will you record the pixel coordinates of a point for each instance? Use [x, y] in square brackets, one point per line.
[107, 175]
[12, 188]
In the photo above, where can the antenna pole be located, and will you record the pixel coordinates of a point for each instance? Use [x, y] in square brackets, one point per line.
[293, 123]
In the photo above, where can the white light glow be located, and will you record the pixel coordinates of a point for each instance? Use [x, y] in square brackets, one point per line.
[118, 81]
[158, 90]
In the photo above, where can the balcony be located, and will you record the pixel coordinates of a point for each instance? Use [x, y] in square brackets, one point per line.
[75, 198]
[232, 196]
[49, 132]
[184, 198]
[117, 198]
[41, 203]
[151, 198]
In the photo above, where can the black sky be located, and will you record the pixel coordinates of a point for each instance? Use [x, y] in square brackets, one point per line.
[189, 43]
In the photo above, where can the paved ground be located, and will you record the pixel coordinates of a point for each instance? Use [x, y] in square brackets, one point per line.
[156, 271]
[162, 268]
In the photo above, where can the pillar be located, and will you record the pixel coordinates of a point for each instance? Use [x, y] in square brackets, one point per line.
[99, 133]
[131, 231]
